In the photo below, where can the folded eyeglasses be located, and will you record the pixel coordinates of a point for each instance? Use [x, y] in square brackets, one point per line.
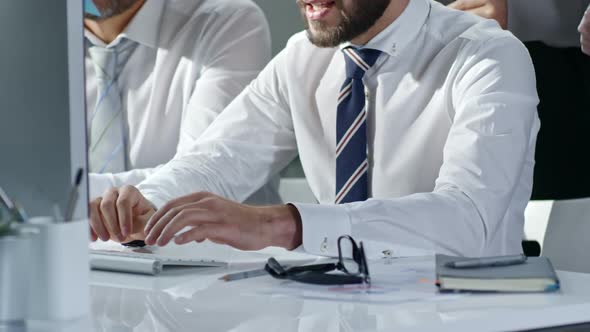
[343, 272]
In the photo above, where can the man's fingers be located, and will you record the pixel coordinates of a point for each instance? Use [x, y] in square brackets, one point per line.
[585, 24]
[139, 222]
[218, 233]
[109, 213]
[96, 220]
[184, 218]
[171, 205]
[93, 236]
[467, 4]
[128, 198]
[156, 225]
[159, 225]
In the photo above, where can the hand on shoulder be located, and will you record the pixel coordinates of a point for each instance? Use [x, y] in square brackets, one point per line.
[492, 9]
[584, 30]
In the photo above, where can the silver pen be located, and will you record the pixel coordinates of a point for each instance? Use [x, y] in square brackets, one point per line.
[73, 196]
[487, 262]
[244, 275]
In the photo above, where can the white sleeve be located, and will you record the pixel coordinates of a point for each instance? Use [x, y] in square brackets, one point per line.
[99, 183]
[250, 141]
[491, 141]
[238, 47]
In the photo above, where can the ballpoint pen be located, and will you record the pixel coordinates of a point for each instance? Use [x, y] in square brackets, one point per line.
[73, 197]
[487, 262]
[16, 213]
[244, 275]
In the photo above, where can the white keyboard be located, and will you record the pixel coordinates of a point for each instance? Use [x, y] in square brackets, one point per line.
[142, 261]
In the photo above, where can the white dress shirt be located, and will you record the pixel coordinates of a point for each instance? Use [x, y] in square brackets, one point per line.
[192, 58]
[452, 127]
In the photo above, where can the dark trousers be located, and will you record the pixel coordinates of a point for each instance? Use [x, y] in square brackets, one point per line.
[562, 168]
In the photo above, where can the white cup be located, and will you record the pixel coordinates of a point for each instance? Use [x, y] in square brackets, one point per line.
[59, 289]
[14, 278]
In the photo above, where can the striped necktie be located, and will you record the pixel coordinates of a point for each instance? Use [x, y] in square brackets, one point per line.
[108, 132]
[351, 128]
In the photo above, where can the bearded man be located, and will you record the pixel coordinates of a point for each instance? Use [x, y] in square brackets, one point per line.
[415, 125]
[158, 73]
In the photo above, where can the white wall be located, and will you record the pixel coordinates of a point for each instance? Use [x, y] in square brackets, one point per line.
[284, 18]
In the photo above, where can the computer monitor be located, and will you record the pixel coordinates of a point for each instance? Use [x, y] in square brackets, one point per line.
[42, 104]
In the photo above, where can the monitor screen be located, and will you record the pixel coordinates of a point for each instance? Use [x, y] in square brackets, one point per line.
[42, 105]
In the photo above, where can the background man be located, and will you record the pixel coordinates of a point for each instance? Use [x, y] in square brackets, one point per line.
[415, 125]
[158, 73]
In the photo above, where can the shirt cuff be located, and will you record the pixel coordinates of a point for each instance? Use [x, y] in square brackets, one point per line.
[322, 226]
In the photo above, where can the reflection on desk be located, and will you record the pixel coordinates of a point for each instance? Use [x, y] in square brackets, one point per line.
[200, 302]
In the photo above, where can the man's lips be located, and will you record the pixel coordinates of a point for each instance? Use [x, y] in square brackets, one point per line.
[316, 10]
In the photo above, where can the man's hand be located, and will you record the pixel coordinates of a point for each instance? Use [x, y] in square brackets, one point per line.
[222, 221]
[584, 29]
[120, 215]
[494, 9]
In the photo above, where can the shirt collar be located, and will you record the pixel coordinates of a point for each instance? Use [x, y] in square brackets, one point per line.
[396, 37]
[144, 28]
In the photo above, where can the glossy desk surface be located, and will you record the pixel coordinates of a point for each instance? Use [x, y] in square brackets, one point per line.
[196, 300]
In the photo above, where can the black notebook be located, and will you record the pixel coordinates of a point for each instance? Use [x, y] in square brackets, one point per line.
[535, 275]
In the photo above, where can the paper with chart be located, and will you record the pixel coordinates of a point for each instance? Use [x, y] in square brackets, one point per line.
[392, 281]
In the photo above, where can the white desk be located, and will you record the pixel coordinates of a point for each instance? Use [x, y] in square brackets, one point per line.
[195, 300]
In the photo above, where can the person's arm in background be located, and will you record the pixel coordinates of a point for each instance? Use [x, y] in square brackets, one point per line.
[553, 22]
[236, 49]
[584, 30]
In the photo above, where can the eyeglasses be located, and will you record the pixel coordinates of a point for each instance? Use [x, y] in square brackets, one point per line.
[353, 272]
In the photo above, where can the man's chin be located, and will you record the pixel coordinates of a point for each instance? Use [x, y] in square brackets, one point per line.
[322, 40]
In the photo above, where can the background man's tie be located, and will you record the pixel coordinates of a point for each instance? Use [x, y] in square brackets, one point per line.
[108, 150]
[351, 128]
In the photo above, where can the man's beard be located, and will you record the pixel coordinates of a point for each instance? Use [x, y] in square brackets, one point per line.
[110, 8]
[354, 22]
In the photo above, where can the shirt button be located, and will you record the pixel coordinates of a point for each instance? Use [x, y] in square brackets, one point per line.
[324, 245]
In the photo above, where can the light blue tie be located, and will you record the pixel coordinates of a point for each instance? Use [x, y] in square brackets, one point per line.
[108, 132]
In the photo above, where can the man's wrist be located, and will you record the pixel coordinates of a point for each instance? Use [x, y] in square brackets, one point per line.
[284, 226]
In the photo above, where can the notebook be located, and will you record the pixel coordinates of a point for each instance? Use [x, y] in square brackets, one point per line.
[535, 275]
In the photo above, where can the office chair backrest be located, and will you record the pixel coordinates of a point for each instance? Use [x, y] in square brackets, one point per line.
[567, 240]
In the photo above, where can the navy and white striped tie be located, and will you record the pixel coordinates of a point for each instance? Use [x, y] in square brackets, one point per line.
[351, 128]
